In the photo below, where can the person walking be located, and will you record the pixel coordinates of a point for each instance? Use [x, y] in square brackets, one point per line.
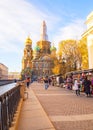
[27, 82]
[61, 81]
[77, 86]
[92, 85]
[46, 82]
[50, 80]
[87, 84]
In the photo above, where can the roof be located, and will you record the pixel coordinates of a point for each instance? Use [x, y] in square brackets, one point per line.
[28, 41]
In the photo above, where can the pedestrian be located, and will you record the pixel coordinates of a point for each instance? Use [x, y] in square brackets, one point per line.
[92, 85]
[77, 86]
[46, 82]
[57, 80]
[50, 81]
[61, 81]
[27, 82]
[87, 84]
[69, 83]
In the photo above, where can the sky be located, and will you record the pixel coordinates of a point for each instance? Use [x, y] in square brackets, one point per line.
[65, 19]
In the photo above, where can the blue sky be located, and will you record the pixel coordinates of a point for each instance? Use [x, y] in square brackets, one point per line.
[65, 19]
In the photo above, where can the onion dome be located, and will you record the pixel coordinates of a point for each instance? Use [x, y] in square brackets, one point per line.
[53, 48]
[28, 41]
[37, 48]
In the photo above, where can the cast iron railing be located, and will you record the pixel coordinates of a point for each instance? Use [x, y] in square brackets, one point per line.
[9, 99]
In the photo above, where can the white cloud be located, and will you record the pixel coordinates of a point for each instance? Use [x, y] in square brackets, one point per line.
[73, 30]
[18, 19]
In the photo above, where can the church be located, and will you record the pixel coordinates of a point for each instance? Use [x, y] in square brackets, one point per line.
[40, 60]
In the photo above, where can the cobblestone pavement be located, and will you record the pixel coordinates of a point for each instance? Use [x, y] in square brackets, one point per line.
[65, 110]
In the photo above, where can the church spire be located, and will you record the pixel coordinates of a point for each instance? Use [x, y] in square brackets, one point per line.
[44, 36]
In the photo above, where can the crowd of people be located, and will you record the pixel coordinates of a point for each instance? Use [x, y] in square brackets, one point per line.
[81, 84]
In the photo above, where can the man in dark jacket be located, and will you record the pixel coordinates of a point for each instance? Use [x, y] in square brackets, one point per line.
[61, 81]
[46, 82]
[87, 84]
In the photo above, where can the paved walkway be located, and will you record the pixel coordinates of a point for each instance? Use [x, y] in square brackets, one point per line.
[32, 115]
[64, 109]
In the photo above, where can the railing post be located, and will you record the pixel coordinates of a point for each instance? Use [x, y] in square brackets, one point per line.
[4, 114]
[8, 106]
[22, 89]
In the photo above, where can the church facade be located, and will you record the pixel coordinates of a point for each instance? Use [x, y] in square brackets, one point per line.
[40, 59]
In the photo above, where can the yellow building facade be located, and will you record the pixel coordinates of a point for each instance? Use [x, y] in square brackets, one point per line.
[89, 35]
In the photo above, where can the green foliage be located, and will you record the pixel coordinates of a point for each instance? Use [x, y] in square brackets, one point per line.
[27, 72]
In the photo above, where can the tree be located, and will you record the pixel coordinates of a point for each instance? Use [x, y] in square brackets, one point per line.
[27, 72]
[70, 51]
[56, 65]
[84, 53]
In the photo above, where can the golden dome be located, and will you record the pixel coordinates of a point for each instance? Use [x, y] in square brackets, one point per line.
[28, 41]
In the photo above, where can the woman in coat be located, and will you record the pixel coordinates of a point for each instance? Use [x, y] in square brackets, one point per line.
[76, 86]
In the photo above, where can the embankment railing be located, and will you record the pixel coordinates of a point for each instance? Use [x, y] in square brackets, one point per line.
[9, 99]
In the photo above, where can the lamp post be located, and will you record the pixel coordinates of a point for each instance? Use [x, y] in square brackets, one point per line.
[63, 66]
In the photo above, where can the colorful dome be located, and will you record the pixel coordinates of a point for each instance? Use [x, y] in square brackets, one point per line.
[28, 41]
[53, 48]
[37, 48]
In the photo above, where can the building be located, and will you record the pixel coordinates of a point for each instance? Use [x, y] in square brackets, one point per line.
[89, 35]
[3, 72]
[28, 54]
[39, 60]
[14, 75]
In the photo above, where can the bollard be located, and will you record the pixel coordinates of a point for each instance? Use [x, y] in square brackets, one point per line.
[22, 89]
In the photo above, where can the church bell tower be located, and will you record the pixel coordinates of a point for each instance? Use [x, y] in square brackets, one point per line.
[27, 57]
[43, 43]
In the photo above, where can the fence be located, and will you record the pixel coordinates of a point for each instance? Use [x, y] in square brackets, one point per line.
[3, 82]
[9, 99]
